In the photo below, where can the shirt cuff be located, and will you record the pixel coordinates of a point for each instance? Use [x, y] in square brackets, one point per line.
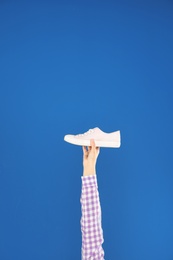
[89, 181]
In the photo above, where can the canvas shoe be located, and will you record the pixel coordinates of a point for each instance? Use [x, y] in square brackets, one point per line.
[101, 138]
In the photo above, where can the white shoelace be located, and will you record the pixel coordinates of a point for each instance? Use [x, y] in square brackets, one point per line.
[87, 133]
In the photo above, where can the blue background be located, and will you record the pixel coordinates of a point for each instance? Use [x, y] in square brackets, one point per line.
[65, 67]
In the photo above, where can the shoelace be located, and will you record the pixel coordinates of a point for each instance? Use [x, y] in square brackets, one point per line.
[87, 133]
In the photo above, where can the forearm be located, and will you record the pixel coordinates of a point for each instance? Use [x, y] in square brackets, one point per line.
[92, 233]
[87, 171]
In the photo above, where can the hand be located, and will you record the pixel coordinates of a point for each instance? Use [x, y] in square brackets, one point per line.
[90, 156]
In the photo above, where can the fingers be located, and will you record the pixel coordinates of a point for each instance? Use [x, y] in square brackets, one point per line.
[98, 149]
[93, 146]
[84, 148]
[92, 143]
[90, 149]
[85, 152]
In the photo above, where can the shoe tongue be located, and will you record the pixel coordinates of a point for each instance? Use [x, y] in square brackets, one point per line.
[96, 128]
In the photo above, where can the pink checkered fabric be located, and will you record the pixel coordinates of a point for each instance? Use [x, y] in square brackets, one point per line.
[91, 226]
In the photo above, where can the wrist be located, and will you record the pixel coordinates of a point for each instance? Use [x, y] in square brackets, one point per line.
[89, 171]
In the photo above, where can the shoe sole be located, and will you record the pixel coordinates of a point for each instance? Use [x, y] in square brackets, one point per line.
[98, 143]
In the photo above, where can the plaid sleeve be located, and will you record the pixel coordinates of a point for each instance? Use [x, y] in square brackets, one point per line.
[91, 227]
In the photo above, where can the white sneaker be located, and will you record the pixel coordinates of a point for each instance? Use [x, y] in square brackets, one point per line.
[101, 138]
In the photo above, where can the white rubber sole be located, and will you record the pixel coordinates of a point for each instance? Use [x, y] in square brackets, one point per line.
[98, 143]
